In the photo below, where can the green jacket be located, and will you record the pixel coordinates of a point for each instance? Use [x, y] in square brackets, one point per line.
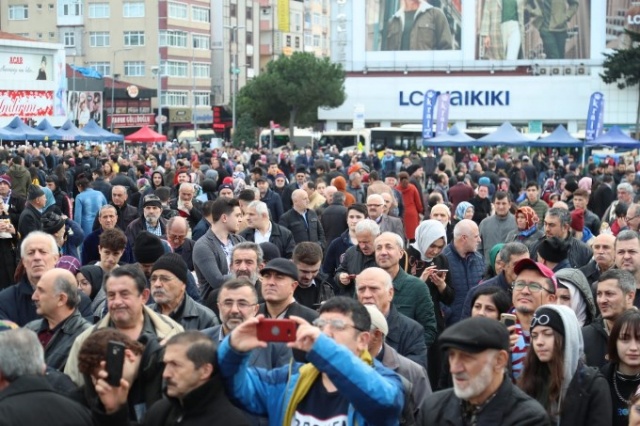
[561, 13]
[411, 297]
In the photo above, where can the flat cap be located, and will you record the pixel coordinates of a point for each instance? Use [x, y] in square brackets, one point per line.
[475, 335]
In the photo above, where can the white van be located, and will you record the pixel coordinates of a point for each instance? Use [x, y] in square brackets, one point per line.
[205, 136]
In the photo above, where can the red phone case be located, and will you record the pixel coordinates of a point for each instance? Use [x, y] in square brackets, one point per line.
[276, 330]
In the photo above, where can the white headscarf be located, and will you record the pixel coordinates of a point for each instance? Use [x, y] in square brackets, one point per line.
[427, 232]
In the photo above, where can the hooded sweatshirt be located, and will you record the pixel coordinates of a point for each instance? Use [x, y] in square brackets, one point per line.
[582, 301]
[20, 180]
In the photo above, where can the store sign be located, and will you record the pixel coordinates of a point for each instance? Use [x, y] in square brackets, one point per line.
[461, 98]
[130, 120]
[133, 91]
[25, 103]
[180, 115]
[203, 117]
[25, 67]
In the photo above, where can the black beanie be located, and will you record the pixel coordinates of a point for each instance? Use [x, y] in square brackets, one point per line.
[52, 222]
[147, 247]
[548, 317]
[34, 192]
[173, 263]
[553, 249]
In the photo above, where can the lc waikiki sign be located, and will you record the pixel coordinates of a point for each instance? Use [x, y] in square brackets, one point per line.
[481, 98]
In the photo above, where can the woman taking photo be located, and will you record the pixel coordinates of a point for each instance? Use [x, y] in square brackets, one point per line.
[572, 393]
[623, 370]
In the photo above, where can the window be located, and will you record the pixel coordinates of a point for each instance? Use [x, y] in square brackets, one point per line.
[248, 37]
[202, 98]
[200, 41]
[134, 68]
[308, 40]
[178, 11]
[51, 6]
[103, 68]
[200, 14]
[52, 35]
[201, 70]
[233, 10]
[316, 40]
[133, 10]
[18, 12]
[173, 38]
[249, 61]
[69, 39]
[71, 8]
[316, 19]
[288, 41]
[176, 69]
[100, 39]
[175, 98]
[99, 10]
[134, 38]
[249, 12]
[297, 45]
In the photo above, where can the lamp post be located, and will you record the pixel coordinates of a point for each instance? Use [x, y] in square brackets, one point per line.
[114, 77]
[157, 71]
[234, 70]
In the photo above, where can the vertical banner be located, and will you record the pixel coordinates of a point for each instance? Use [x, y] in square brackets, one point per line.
[283, 16]
[442, 118]
[594, 116]
[427, 114]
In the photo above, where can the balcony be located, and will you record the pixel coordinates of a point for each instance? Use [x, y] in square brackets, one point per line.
[266, 49]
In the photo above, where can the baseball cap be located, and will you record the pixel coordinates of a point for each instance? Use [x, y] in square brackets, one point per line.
[474, 335]
[283, 266]
[524, 264]
[378, 320]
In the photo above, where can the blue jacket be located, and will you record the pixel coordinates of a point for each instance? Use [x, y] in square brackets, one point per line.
[465, 274]
[70, 247]
[87, 206]
[375, 394]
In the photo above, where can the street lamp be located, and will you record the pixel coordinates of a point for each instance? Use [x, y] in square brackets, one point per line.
[234, 70]
[157, 72]
[114, 77]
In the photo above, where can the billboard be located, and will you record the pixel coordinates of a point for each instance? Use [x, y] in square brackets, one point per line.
[26, 103]
[400, 25]
[621, 15]
[533, 29]
[26, 66]
[83, 106]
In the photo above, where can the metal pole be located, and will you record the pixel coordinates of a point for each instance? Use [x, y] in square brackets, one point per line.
[193, 94]
[159, 117]
[113, 86]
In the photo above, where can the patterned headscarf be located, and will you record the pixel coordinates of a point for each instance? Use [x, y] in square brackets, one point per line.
[529, 214]
[461, 210]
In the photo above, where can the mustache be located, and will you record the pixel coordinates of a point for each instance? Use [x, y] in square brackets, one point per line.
[159, 292]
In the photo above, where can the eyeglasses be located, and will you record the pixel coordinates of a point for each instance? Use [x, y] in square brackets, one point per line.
[540, 320]
[628, 219]
[336, 324]
[242, 304]
[533, 287]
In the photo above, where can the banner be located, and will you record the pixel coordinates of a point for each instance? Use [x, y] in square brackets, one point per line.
[283, 16]
[427, 114]
[131, 120]
[26, 103]
[595, 116]
[83, 106]
[442, 120]
[25, 67]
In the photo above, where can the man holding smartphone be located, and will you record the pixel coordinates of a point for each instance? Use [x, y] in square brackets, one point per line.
[342, 384]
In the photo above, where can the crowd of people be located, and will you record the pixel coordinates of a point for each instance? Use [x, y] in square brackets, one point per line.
[429, 288]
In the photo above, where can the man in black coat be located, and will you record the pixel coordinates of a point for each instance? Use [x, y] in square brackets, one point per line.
[99, 184]
[303, 222]
[270, 198]
[603, 196]
[334, 218]
[300, 177]
[260, 229]
[31, 216]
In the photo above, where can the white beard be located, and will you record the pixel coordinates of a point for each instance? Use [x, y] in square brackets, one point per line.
[477, 385]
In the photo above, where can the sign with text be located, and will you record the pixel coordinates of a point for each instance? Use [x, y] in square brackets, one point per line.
[26, 103]
[25, 67]
[130, 120]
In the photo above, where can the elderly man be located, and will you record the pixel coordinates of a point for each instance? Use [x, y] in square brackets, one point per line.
[127, 295]
[372, 393]
[39, 254]
[26, 397]
[125, 212]
[301, 221]
[466, 264]
[261, 229]
[31, 216]
[270, 198]
[390, 358]
[107, 219]
[56, 298]
[557, 223]
[410, 295]
[313, 288]
[478, 350]
[187, 205]
[150, 221]
[177, 230]
[625, 194]
[535, 285]
[374, 286]
[603, 247]
[357, 258]
[375, 207]
[168, 289]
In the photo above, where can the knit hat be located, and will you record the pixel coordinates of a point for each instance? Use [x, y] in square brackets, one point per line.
[208, 185]
[225, 186]
[173, 263]
[34, 192]
[571, 186]
[412, 169]
[553, 249]
[147, 247]
[6, 179]
[484, 181]
[52, 222]
[270, 251]
[8, 325]
[69, 263]
[577, 220]
[547, 317]
[529, 214]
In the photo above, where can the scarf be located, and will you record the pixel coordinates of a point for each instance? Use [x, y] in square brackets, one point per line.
[461, 210]
[532, 220]
[308, 375]
[427, 232]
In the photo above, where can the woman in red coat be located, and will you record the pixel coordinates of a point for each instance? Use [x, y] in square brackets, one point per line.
[412, 205]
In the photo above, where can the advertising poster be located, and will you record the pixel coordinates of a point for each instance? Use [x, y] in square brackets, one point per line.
[25, 67]
[26, 103]
[533, 29]
[83, 106]
[400, 25]
[621, 15]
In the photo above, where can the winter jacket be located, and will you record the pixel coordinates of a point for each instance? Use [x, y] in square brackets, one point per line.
[540, 207]
[411, 298]
[316, 294]
[88, 204]
[335, 252]
[57, 350]
[139, 225]
[509, 407]
[430, 30]
[465, 274]
[274, 203]
[374, 397]
[406, 336]
[579, 253]
[587, 401]
[280, 236]
[194, 315]
[595, 343]
[195, 214]
[499, 281]
[20, 180]
[494, 230]
[30, 220]
[334, 221]
[481, 208]
[75, 237]
[353, 262]
[210, 262]
[309, 230]
[63, 202]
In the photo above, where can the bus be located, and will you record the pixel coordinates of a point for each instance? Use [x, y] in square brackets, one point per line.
[281, 138]
[403, 139]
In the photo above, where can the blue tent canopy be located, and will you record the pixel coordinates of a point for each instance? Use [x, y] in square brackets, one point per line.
[46, 127]
[559, 138]
[506, 135]
[452, 138]
[70, 132]
[21, 131]
[99, 134]
[616, 138]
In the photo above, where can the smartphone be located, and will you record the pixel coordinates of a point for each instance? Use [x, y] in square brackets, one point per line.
[276, 330]
[115, 362]
[441, 271]
[508, 319]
